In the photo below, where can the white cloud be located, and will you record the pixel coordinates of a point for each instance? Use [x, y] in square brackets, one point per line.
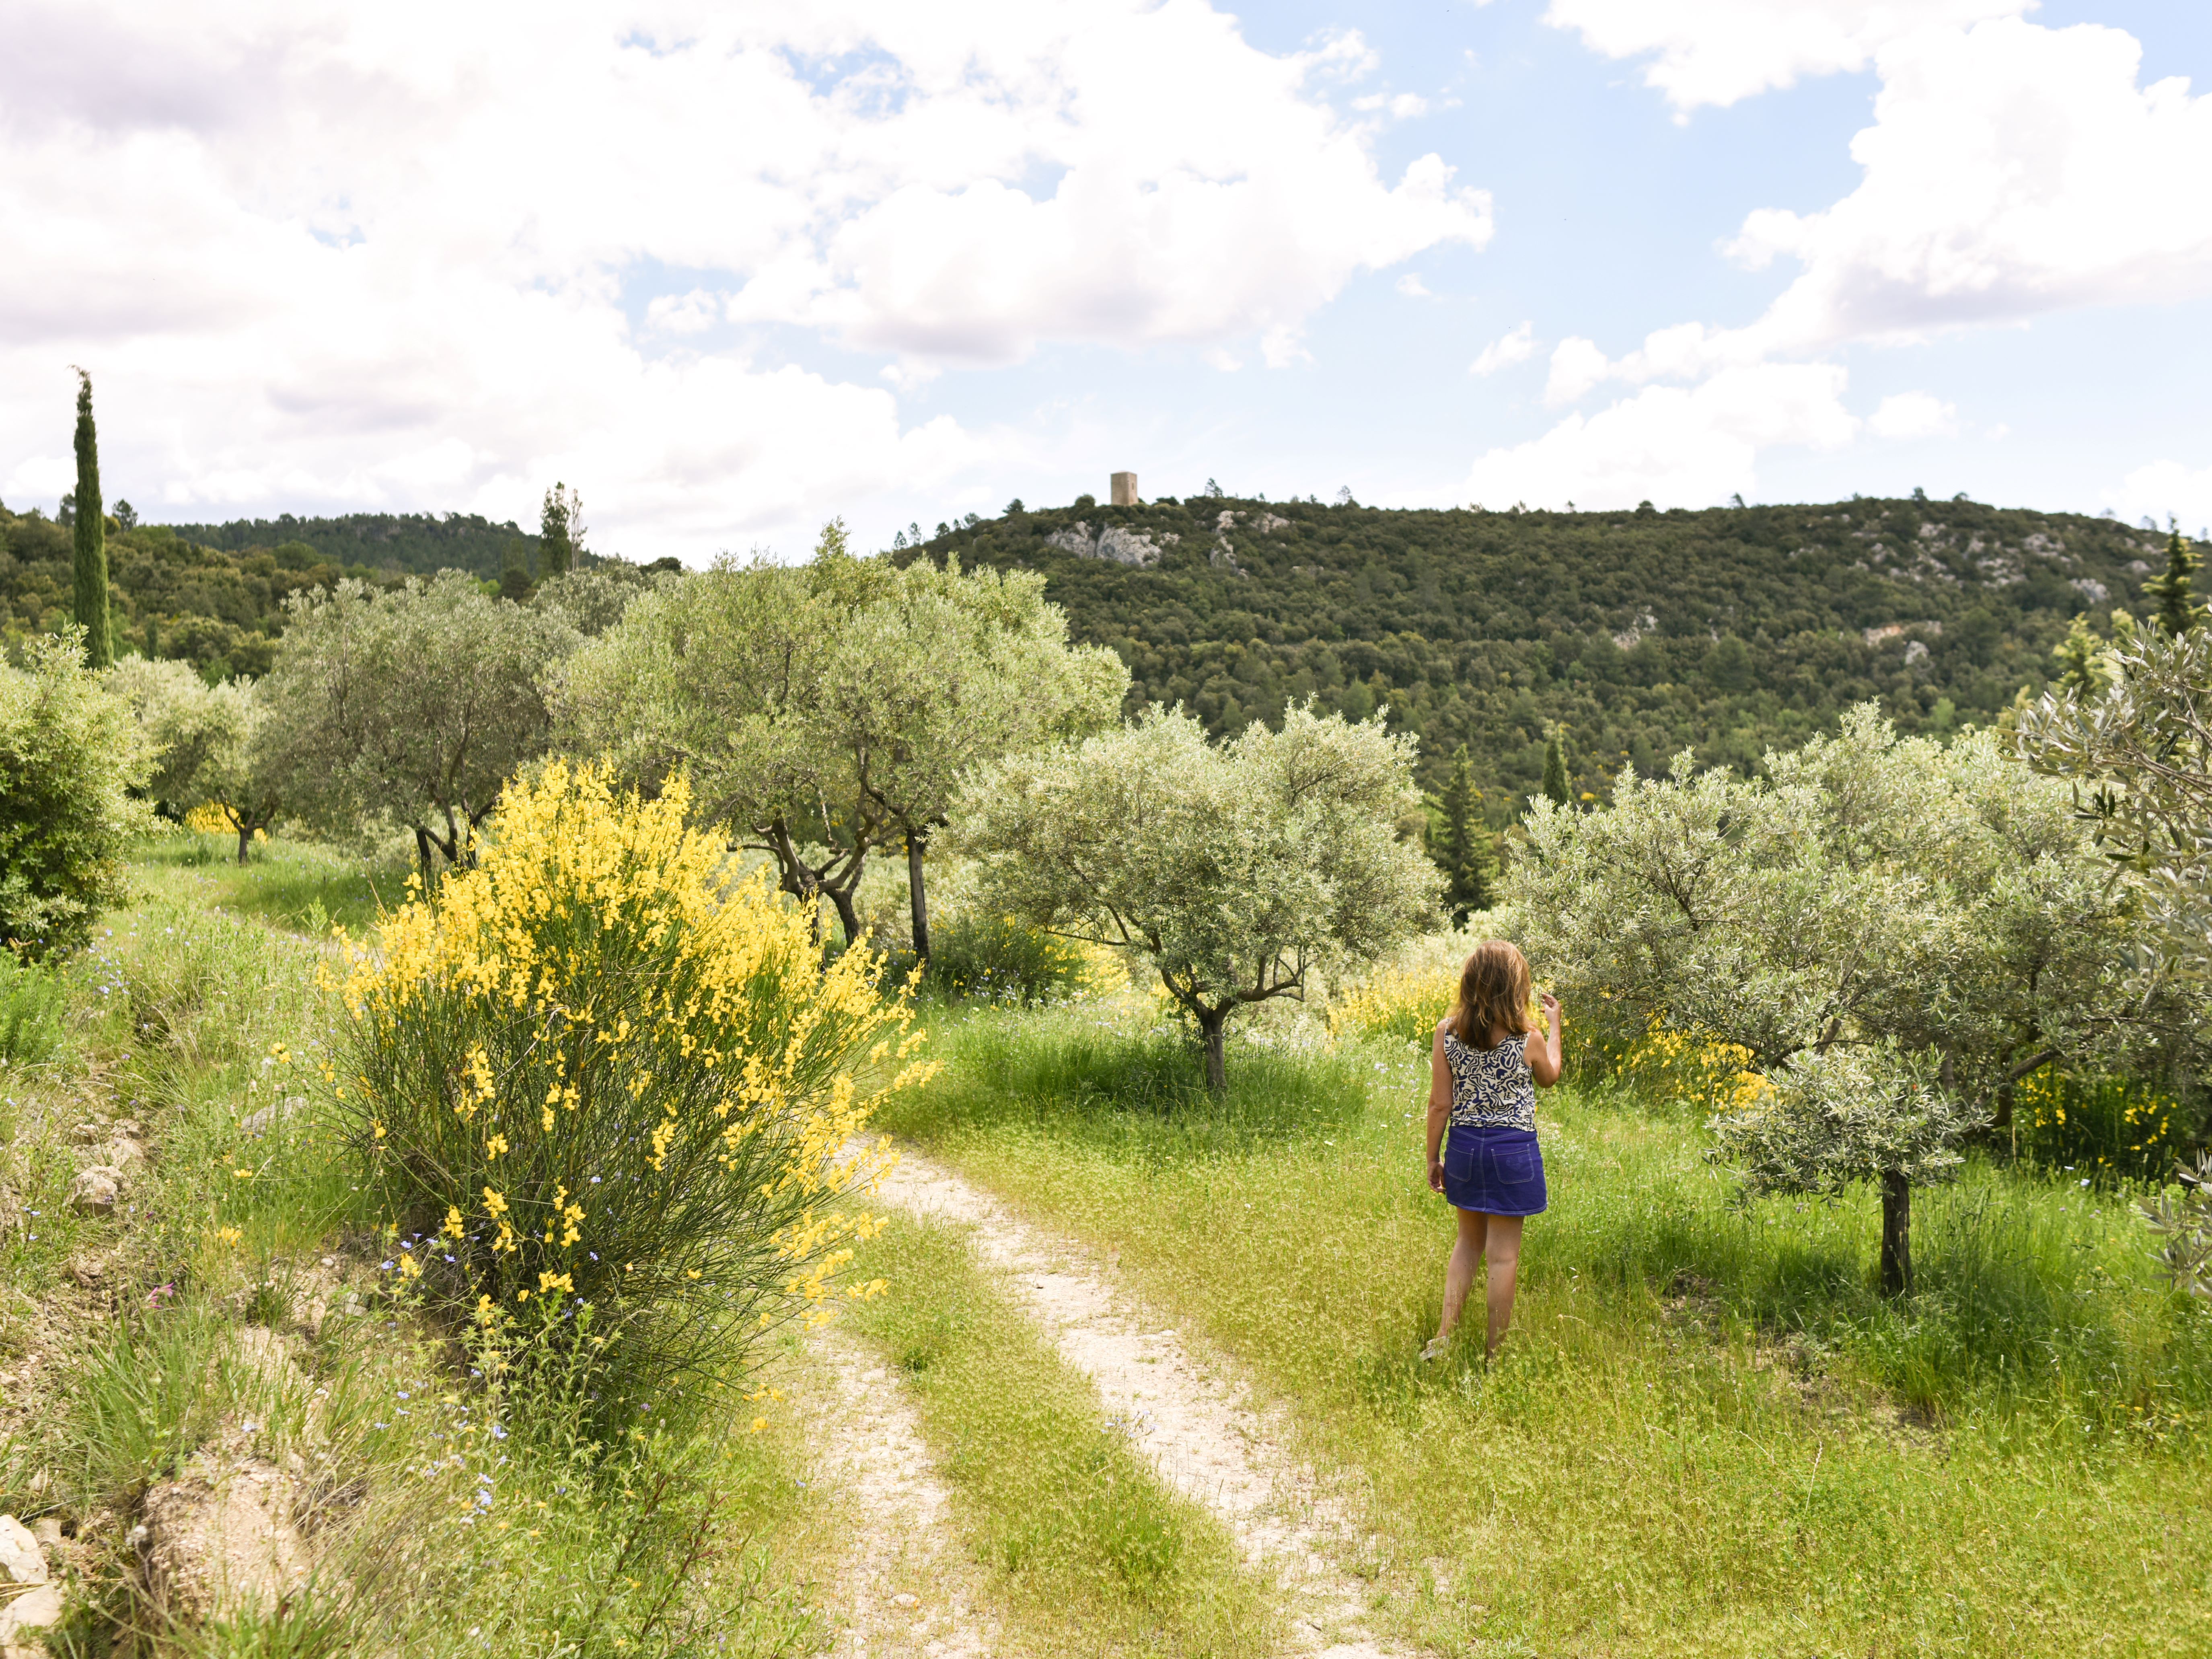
[1576, 366]
[1717, 51]
[2166, 487]
[683, 313]
[1413, 287]
[320, 255]
[1516, 347]
[1671, 444]
[1408, 104]
[1913, 415]
[2010, 171]
[1282, 346]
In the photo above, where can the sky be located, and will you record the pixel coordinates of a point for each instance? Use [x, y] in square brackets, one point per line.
[731, 270]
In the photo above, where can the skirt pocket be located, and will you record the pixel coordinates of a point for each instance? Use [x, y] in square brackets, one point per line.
[1515, 1166]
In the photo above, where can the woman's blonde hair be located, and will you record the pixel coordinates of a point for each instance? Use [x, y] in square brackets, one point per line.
[1493, 992]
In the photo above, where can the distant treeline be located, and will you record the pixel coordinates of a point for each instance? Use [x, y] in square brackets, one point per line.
[413, 543]
[1638, 633]
[213, 595]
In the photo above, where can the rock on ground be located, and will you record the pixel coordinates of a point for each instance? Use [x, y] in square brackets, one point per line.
[21, 1558]
[22, 1619]
[96, 1190]
[222, 1539]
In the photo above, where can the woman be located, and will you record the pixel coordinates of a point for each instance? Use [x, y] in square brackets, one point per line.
[1485, 1069]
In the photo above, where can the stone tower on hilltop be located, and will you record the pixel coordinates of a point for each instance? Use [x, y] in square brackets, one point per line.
[1124, 490]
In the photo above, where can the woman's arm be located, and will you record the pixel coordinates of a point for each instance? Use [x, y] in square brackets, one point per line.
[1440, 1100]
[1544, 1047]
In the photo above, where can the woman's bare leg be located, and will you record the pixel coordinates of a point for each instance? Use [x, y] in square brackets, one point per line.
[1503, 1240]
[1459, 1271]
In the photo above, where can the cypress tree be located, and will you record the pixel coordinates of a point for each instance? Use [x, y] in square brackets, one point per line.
[2179, 608]
[1555, 770]
[1460, 845]
[90, 528]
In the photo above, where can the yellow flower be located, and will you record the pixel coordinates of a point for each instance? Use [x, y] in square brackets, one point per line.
[229, 1235]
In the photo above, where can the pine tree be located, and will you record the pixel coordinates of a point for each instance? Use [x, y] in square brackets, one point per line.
[514, 571]
[90, 530]
[1460, 845]
[559, 531]
[2179, 608]
[1555, 770]
[2081, 659]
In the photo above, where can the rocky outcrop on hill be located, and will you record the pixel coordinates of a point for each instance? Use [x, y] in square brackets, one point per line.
[1129, 547]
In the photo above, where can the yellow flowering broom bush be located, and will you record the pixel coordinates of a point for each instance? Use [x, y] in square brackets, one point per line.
[1408, 1003]
[597, 1071]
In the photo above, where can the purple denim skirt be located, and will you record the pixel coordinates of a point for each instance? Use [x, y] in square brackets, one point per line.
[1495, 1171]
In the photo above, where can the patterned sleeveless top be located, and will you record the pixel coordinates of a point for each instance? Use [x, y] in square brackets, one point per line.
[1492, 1087]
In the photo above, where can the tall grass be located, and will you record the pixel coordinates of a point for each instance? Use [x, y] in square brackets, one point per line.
[299, 886]
[1707, 1433]
[1091, 1075]
[1071, 1520]
[31, 1003]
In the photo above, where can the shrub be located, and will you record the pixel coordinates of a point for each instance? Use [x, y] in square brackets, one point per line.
[2098, 1126]
[2182, 1217]
[1001, 960]
[1686, 1066]
[1402, 1003]
[69, 752]
[595, 1072]
[30, 1013]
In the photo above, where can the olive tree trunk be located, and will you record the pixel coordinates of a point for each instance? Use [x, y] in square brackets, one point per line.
[917, 896]
[1210, 1022]
[1896, 1234]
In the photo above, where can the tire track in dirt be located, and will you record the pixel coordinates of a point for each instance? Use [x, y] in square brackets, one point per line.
[904, 1587]
[1193, 1423]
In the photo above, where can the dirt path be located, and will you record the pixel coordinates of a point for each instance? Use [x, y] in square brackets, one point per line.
[905, 1587]
[1194, 1424]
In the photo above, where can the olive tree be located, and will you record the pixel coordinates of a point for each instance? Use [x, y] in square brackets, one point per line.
[206, 743]
[825, 710]
[720, 677]
[1939, 910]
[71, 756]
[415, 703]
[1239, 869]
[936, 672]
[2136, 751]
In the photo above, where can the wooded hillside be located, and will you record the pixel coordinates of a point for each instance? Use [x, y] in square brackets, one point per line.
[213, 595]
[1640, 632]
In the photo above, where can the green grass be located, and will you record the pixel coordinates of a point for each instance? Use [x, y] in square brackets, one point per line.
[192, 1012]
[1093, 1554]
[1707, 1434]
[299, 886]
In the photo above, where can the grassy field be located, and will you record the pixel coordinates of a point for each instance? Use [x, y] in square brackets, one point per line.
[1706, 1435]
[240, 1306]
